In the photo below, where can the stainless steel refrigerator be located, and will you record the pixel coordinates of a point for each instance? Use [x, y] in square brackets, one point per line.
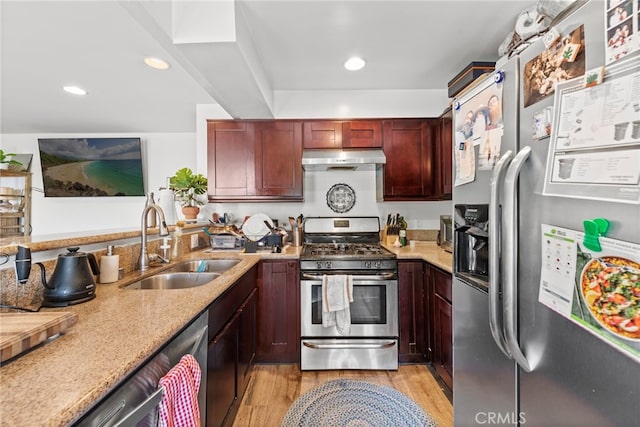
[530, 365]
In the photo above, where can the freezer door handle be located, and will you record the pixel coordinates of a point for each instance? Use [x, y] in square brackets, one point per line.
[495, 314]
[510, 257]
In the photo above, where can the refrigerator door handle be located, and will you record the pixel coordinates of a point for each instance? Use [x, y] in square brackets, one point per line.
[510, 257]
[495, 318]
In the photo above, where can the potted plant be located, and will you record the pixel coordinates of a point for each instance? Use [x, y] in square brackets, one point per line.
[187, 186]
[5, 160]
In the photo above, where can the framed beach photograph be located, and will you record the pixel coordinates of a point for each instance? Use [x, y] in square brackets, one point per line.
[91, 167]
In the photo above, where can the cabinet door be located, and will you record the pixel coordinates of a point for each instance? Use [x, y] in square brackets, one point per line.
[279, 312]
[221, 374]
[246, 340]
[445, 153]
[230, 159]
[322, 134]
[444, 340]
[442, 325]
[278, 160]
[362, 134]
[409, 147]
[428, 319]
[412, 311]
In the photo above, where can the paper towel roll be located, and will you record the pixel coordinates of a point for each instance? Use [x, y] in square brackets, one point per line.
[529, 23]
[109, 268]
[167, 203]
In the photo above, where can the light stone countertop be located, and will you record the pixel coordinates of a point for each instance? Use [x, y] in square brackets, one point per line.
[426, 251]
[56, 383]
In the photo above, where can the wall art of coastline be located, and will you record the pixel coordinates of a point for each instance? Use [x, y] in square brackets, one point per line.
[91, 167]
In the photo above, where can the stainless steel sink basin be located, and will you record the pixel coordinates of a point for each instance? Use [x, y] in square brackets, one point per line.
[182, 280]
[206, 265]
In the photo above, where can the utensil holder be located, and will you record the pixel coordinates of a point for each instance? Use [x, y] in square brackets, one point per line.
[296, 237]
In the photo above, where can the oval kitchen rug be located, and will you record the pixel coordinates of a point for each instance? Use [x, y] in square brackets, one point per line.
[341, 403]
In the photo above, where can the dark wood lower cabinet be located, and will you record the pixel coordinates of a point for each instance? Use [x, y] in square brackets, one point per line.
[247, 340]
[279, 312]
[426, 329]
[412, 312]
[232, 348]
[221, 374]
[442, 325]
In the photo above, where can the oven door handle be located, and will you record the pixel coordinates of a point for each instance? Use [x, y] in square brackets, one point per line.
[387, 344]
[382, 276]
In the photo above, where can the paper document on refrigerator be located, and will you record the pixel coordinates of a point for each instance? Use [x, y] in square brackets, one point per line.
[600, 291]
[594, 151]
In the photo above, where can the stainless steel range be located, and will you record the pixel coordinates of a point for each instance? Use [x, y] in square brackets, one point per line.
[349, 246]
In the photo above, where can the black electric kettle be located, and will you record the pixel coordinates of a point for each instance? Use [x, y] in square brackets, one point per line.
[72, 281]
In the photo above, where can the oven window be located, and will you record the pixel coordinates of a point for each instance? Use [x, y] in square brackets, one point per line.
[369, 305]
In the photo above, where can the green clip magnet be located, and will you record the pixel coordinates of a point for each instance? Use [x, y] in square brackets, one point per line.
[593, 229]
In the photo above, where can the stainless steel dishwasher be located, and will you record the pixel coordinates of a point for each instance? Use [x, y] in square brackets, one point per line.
[134, 402]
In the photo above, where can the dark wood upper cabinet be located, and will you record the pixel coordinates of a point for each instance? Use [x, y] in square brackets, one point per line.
[362, 134]
[278, 160]
[230, 154]
[254, 160]
[322, 134]
[410, 171]
[319, 134]
[444, 150]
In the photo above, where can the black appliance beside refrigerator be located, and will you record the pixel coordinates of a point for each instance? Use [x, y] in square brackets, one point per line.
[516, 361]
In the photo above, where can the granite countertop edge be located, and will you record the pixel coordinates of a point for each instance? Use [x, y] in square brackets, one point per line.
[427, 251]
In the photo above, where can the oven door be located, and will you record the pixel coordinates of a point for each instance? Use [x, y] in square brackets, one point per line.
[374, 310]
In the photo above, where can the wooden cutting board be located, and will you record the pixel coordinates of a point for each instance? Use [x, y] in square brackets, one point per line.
[20, 332]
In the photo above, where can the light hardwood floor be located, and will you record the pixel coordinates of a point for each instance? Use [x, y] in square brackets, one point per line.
[273, 388]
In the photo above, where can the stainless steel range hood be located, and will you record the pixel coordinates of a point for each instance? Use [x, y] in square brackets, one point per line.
[342, 160]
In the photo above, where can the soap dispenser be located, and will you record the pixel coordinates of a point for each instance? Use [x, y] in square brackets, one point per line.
[109, 265]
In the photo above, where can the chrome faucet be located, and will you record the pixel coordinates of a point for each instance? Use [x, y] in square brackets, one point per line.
[143, 261]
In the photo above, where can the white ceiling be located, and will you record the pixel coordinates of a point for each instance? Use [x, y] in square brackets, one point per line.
[278, 46]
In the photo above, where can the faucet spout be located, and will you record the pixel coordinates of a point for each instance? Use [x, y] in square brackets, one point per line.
[143, 261]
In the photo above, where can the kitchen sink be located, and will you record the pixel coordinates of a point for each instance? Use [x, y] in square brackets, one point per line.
[187, 274]
[205, 265]
[181, 280]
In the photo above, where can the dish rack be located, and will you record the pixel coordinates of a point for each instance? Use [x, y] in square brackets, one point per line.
[224, 241]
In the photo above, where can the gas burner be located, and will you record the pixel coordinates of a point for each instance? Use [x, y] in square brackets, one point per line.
[344, 250]
[349, 242]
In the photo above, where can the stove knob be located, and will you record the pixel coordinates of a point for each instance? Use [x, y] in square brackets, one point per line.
[327, 264]
[318, 264]
[378, 264]
[367, 264]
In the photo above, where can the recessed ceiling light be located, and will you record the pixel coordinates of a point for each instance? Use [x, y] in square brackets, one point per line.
[157, 63]
[75, 90]
[354, 63]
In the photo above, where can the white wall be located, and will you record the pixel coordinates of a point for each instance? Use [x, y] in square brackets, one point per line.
[423, 215]
[163, 154]
[167, 152]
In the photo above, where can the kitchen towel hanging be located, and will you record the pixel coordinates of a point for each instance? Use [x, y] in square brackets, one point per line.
[337, 294]
[179, 405]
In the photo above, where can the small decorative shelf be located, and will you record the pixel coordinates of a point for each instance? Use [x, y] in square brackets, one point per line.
[15, 203]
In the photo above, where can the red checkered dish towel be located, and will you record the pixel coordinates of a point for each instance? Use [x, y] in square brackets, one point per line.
[179, 405]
